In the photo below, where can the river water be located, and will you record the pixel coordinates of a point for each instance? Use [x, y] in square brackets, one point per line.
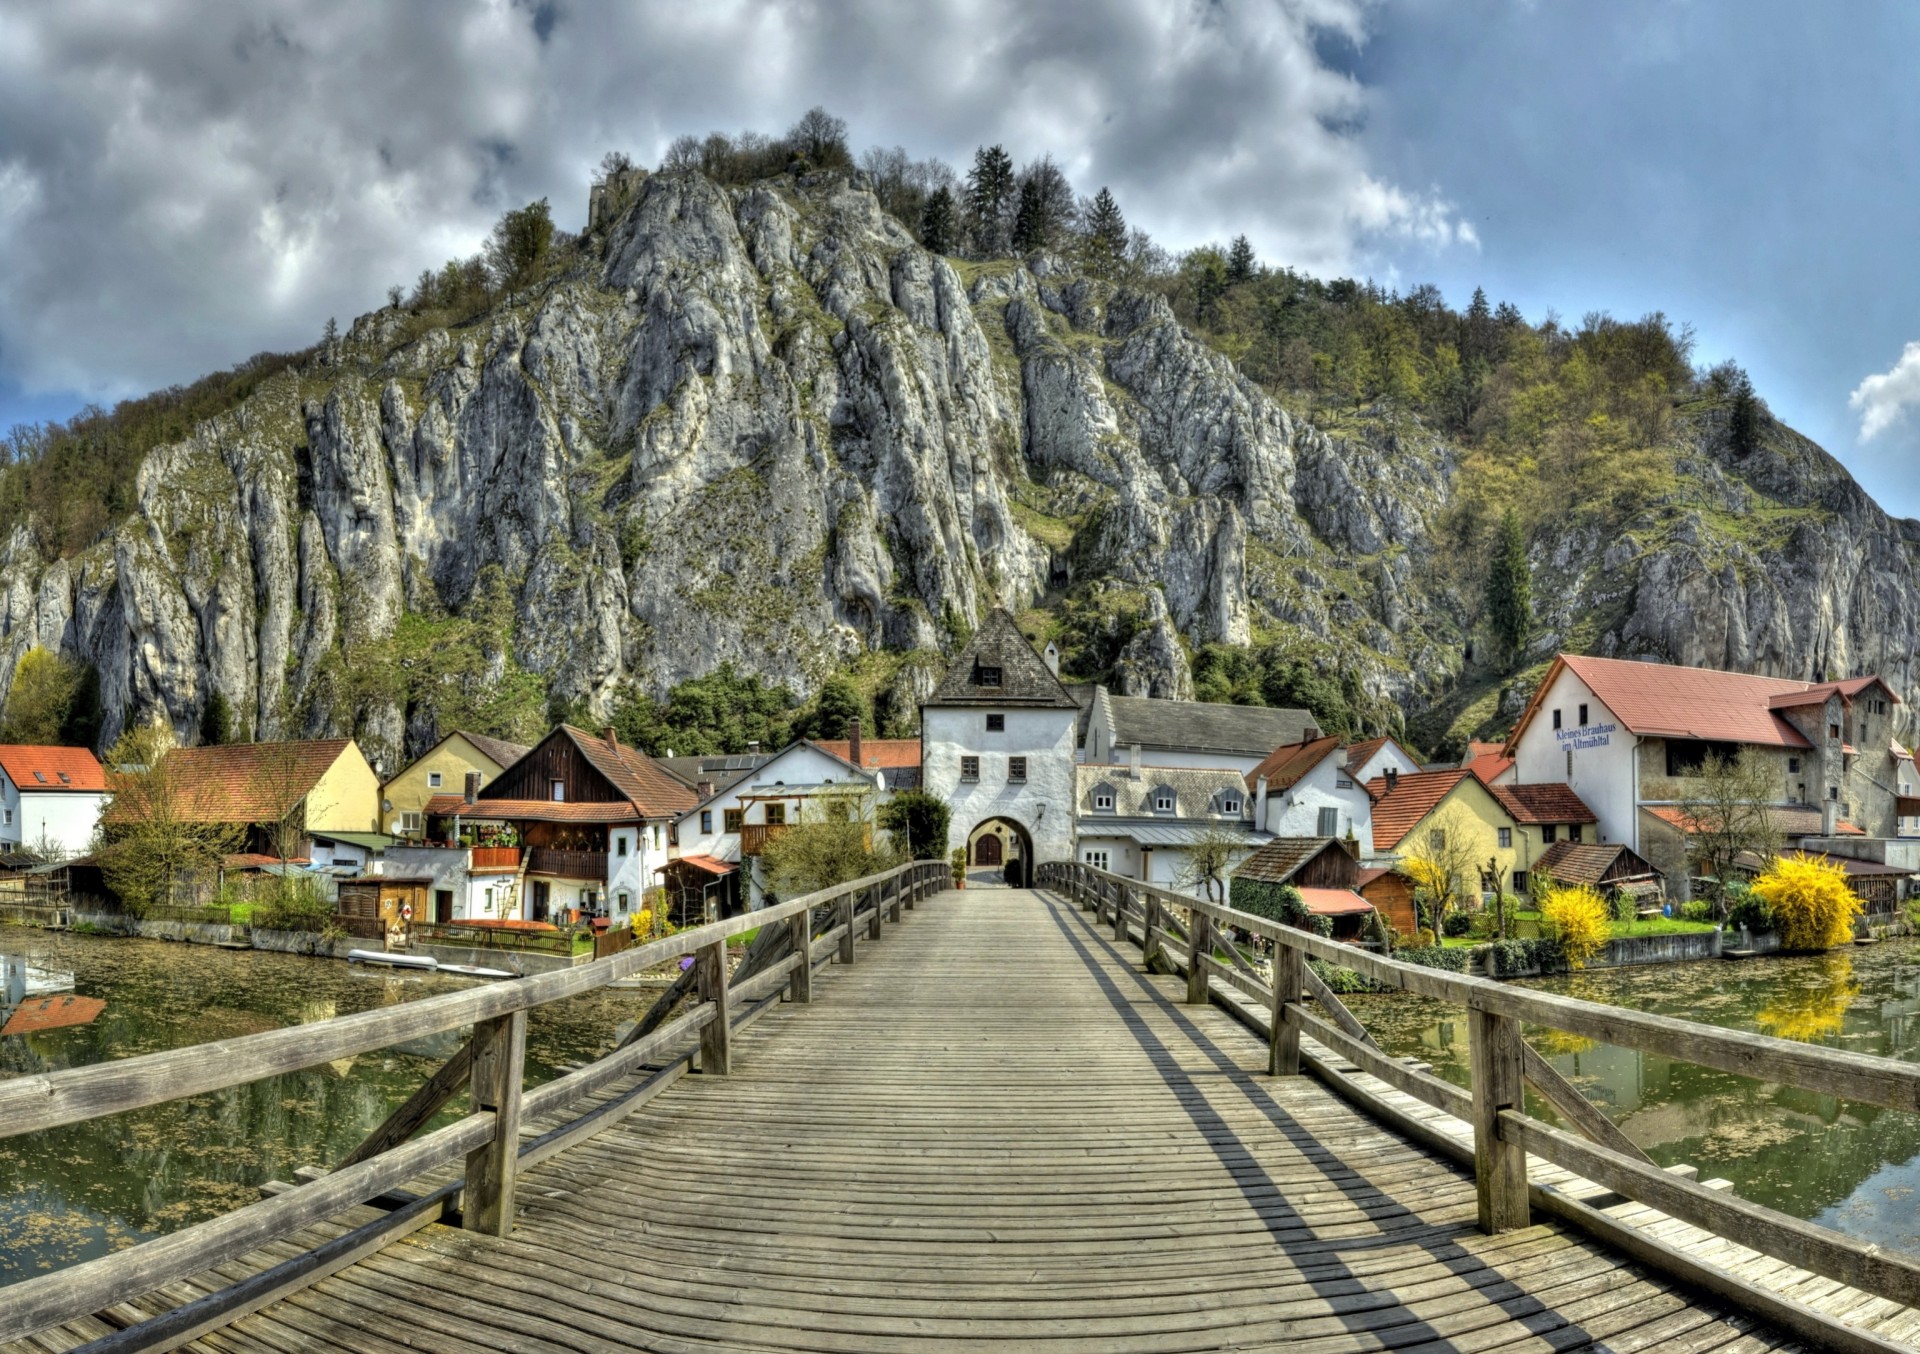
[73, 1193]
[1851, 1167]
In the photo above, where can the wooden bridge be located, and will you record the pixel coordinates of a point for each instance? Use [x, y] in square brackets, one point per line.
[1020, 1118]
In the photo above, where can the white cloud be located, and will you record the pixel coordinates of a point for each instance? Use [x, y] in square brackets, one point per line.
[181, 186]
[1882, 400]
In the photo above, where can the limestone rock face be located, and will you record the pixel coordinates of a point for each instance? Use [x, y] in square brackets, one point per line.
[762, 426]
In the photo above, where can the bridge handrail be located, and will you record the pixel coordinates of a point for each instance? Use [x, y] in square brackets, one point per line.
[488, 1137]
[1502, 1064]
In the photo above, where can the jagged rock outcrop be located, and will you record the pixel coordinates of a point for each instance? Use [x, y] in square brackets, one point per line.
[762, 426]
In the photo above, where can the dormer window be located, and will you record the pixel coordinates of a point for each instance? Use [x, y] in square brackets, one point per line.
[988, 677]
[1103, 799]
[1163, 800]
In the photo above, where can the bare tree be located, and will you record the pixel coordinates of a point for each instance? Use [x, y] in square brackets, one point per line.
[1729, 811]
[1444, 863]
[154, 833]
[1209, 861]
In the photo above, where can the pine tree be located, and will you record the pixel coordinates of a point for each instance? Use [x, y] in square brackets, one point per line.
[1744, 414]
[936, 222]
[1510, 587]
[1239, 260]
[988, 187]
[1029, 225]
[1106, 234]
[1477, 339]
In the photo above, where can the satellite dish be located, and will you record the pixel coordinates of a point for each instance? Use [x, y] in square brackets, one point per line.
[386, 806]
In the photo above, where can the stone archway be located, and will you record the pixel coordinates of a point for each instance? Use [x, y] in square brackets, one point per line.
[999, 854]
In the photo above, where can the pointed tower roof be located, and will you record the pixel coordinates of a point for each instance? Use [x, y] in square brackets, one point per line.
[998, 667]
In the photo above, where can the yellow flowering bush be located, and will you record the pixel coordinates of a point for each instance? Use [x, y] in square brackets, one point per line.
[1579, 918]
[1813, 909]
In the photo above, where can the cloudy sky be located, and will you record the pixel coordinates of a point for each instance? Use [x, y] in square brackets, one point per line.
[182, 184]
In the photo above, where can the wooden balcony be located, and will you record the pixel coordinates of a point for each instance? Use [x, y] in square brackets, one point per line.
[753, 836]
[568, 864]
[495, 858]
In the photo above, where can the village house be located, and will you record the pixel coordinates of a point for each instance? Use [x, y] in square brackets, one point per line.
[278, 794]
[718, 841]
[1186, 733]
[442, 769]
[1450, 819]
[573, 829]
[1144, 822]
[51, 799]
[1632, 738]
[1318, 788]
[1324, 872]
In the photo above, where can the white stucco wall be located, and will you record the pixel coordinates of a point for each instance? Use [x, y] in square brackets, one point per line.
[1043, 805]
[1602, 756]
[66, 819]
[1295, 811]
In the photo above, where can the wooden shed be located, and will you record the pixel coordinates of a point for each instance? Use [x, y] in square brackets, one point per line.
[1391, 894]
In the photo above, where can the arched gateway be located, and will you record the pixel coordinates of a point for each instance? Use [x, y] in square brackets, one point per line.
[1000, 851]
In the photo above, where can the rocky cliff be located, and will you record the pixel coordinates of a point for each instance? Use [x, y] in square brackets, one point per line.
[763, 426]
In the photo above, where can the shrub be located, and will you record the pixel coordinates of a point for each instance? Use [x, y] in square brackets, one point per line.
[1698, 909]
[1338, 978]
[1579, 919]
[1275, 902]
[1458, 923]
[1452, 958]
[1749, 910]
[1518, 956]
[959, 864]
[918, 821]
[1423, 939]
[1813, 909]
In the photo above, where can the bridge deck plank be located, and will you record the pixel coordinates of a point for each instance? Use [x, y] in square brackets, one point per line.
[991, 1128]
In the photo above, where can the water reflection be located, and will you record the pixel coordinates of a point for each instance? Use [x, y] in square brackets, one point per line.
[80, 1191]
[1849, 1166]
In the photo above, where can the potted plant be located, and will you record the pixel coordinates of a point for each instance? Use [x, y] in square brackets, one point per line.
[959, 867]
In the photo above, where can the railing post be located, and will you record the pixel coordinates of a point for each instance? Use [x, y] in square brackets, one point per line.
[1120, 892]
[800, 932]
[873, 921]
[1152, 919]
[1499, 1166]
[499, 1058]
[895, 887]
[1199, 949]
[1283, 1030]
[843, 910]
[716, 1038]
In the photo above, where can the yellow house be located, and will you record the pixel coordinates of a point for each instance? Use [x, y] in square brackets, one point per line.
[441, 770]
[1489, 836]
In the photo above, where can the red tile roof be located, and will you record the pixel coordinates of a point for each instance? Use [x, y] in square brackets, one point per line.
[1489, 766]
[243, 782]
[51, 1013]
[706, 863]
[50, 768]
[1549, 803]
[1791, 822]
[533, 810]
[1286, 764]
[1476, 748]
[655, 791]
[1334, 902]
[885, 753]
[1399, 811]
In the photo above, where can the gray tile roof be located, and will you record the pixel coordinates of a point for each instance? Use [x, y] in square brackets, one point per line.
[504, 754]
[1195, 790]
[1202, 726]
[1025, 679]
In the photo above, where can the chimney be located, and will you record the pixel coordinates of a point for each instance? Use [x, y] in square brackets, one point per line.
[853, 741]
[1052, 656]
[473, 786]
[1393, 778]
[753, 747]
[611, 738]
[1308, 734]
[704, 788]
[1133, 760]
[1260, 804]
[1829, 817]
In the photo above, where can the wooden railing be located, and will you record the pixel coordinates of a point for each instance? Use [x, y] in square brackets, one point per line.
[1171, 927]
[489, 1065]
[754, 836]
[494, 858]
[568, 864]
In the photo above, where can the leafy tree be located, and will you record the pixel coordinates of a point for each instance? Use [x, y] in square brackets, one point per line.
[1579, 919]
[1208, 863]
[1443, 864]
[1510, 588]
[1239, 261]
[937, 223]
[1106, 245]
[1813, 908]
[820, 139]
[839, 703]
[989, 190]
[520, 240]
[720, 712]
[1728, 809]
[919, 822]
[150, 841]
[832, 841]
[41, 702]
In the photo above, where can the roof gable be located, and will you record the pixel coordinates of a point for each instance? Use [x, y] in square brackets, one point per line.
[497, 750]
[1024, 677]
[884, 753]
[1284, 857]
[1289, 763]
[52, 769]
[1399, 810]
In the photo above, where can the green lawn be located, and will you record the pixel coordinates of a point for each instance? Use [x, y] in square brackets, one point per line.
[1660, 926]
[240, 914]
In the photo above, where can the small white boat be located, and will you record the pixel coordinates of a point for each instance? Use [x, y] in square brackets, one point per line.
[424, 962]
